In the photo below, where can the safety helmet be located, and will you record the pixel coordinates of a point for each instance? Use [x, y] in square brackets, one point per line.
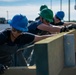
[60, 15]
[47, 14]
[19, 22]
[42, 7]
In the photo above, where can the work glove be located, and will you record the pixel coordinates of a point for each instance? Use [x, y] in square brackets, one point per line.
[64, 29]
[2, 68]
[74, 26]
[70, 27]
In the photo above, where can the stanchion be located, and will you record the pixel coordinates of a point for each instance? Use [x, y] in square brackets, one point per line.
[69, 50]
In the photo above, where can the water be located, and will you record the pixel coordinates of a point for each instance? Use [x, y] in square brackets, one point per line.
[4, 26]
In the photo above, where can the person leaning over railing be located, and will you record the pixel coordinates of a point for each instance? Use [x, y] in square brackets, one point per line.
[41, 8]
[12, 38]
[58, 21]
[42, 26]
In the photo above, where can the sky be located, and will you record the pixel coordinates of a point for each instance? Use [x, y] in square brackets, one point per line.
[30, 8]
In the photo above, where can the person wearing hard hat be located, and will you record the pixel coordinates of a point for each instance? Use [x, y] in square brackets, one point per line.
[12, 38]
[58, 21]
[43, 25]
[41, 8]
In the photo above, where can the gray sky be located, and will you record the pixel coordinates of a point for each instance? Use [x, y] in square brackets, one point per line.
[30, 8]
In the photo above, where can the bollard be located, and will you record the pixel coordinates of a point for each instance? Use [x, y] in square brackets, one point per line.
[69, 50]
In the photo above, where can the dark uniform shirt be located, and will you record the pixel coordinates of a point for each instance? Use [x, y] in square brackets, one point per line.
[7, 47]
[24, 38]
[33, 28]
[57, 24]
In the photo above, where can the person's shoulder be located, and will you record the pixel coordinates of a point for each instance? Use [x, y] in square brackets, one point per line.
[5, 31]
[61, 23]
[33, 25]
[8, 29]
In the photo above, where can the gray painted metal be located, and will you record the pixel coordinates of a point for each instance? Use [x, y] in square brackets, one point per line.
[69, 50]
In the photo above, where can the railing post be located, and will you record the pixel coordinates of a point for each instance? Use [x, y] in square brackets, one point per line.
[69, 50]
[41, 59]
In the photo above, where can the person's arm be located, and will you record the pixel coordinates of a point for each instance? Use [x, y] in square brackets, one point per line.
[38, 38]
[31, 38]
[51, 29]
[69, 23]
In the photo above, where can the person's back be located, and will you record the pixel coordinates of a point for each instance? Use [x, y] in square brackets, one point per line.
[32, 28]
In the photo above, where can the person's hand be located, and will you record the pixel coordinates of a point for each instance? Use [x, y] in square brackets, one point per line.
[2, 68]
[70, 27]
[64, 29]
[74, 26]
